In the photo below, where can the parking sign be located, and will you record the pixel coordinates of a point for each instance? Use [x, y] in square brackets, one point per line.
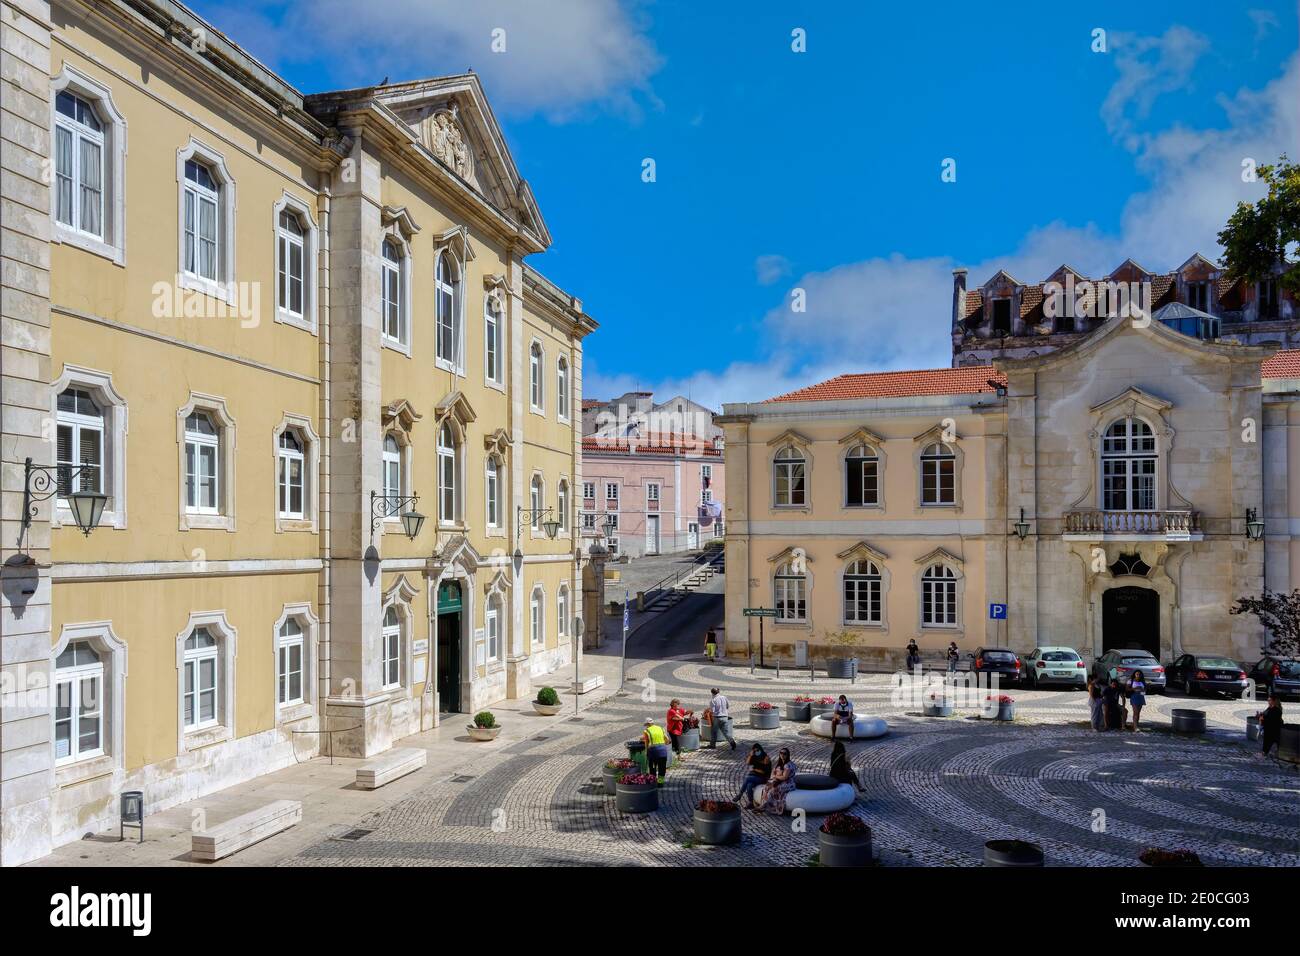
[997, 612]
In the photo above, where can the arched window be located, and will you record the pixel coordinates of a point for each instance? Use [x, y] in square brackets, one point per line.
[289, 654]
[535, 493]
[562, 505]
[1128, 466]
[862, 593]
[789, 471]
[861, 476]
[447, 292]
[392, 284]
[791, 597]
[536, 616]
[202, 680]
[938, 597]
[78, 703]
[938, 475]
[392, 477]
[291, 272]
[392, 638]
[562, 387]
[448, 497]
[202, 220]
[80, 442]
[492, 364]
[291, 478]
[78, 164]
[493, 492]
[535, 376]
[202, 464]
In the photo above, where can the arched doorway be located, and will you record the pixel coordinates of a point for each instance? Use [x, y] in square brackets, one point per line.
[1130, 617]
[449, 611]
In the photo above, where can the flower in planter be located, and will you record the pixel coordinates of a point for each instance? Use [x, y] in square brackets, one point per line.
[761, 705]
[623, 764]
[1001, 699]
[801, 699]
[845, 825]
[1157, 856]
[691, 723]
[639, 779]
[826, 700]
[485, 719]
[716, 806]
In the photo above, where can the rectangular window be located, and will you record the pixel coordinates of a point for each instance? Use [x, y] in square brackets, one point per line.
[289, 282]
[200, 689]
[537, 622]
[78, 704]
[290, 685]
[202, 455]
[652, 497]
[491, 344]
[291, 479]
[791, 598]
[589, 491]
[1198, 295]
[78, 165]
[1001, 316]
[392, 303]
[611, 492]
[201, 221]
[493, 494]
[392, 650]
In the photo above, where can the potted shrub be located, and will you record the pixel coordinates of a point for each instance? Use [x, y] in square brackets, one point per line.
[1158, 856]
[821, 706]
[764, 716]
[1012, 853]
[690, 738]
[938, 704]
[799, 708]
[548, 702]
[717, 822]
[485, 726]
[637, 793]
[1001, 707]
[614, 769]
[837, 667]
[844, 840]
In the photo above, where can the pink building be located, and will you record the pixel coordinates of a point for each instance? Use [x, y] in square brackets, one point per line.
[659, 489]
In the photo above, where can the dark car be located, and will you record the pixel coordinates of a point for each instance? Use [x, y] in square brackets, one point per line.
[996, 660]
[1207, 674]
[1278, 676]
[1123, 662]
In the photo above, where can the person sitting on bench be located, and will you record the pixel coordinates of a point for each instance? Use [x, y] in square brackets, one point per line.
[842, 714]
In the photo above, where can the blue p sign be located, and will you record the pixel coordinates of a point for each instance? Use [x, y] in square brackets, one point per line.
[997, 612]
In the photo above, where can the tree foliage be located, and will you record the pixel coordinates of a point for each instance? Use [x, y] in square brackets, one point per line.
[1259, 236]
[1279, 612]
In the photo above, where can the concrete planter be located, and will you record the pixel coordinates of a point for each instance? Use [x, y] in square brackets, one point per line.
[1014, 853]
[1188, 721]
[1252, 728]
[764, 719]
[689, 739]
[819, 710]
[999, 711]
[483, 733]
[841, 668]
[937, 708]
[636, 797]
[1288, 744]
[547, 710]
[717, 829]
[798, 711]
[844, 850]
[610, 779]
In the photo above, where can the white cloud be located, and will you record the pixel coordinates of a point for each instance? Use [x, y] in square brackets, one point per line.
[770, 268]
[560, 57]
[1148, 67]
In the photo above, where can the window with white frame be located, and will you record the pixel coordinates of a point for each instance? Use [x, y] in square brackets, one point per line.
[492, 483]
[1128, 464]
[611, 543]
[291, 478]
[79, 164]
[562, 611]
[291, 645]
[202, 221]
[492, 353]
[448, 468]
[790, 469]
[938, 597]
[202, 676]
[652, 496]
[392, 285]
[562, 505]
[78, 703]
[938, 475]
[706, 483]
[535, 396]
[862, 593]
[611, 520]
[537, 620]
[589, 491]
[447, 298]
[535, 493]
[861, 477]
[791, 595]
[291, 287]
[588, 521]
[492, 628]
[392, 476]
[611, 493]
[80, 432]
[562, 388]
[392, 656]
[202, 464]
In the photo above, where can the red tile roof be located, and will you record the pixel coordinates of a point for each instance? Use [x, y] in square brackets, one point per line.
[933, 381]
[1285, 364]
[660, 443]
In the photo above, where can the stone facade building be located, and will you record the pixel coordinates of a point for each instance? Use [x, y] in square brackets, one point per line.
[1101, 491]
[265, 326]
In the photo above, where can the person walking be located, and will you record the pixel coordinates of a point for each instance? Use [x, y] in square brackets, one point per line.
[842, 769]
[656, 749]
[1270, 725]
[842, 713]
[759, 766]
[711, 645]
[676, 722]
[954, 656]
[772, 797]
[719, 718]
[913, 656]
[1096, 706]
[1112, 700]
[1137, 697]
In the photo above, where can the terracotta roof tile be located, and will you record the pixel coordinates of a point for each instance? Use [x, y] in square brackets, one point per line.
[1284, 364]
[935, 381]
[660, 443]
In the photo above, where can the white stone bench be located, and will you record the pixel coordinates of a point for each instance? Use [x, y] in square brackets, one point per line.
[245, 830]
[586, 685]
[389, 766]
[864, 726]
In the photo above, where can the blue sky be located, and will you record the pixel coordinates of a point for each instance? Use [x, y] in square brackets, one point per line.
[821, 170]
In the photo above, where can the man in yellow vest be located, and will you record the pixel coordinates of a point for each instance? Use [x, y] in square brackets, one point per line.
[656, 748]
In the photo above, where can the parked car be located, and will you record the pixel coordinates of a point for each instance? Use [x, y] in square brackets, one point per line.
[1276, 675]
[996, 660]
[1207, 673]
[1055, 665]
[1121, 664]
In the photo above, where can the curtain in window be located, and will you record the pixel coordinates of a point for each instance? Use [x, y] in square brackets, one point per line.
[92, 187]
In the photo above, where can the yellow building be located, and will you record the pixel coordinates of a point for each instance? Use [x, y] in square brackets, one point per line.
[266, 326]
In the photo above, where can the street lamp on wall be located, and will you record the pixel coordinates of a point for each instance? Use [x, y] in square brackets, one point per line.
[1022, 526]
[1254, 527]
[532, 517]
[41, 482]
[383, 507]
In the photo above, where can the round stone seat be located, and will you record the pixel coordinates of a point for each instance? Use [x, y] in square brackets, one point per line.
[840, 797]
[863, 727]
[815, 781]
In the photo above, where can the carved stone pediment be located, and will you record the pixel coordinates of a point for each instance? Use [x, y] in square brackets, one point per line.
[442, 135]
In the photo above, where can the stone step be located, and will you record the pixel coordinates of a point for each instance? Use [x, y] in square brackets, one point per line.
[389, 766]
